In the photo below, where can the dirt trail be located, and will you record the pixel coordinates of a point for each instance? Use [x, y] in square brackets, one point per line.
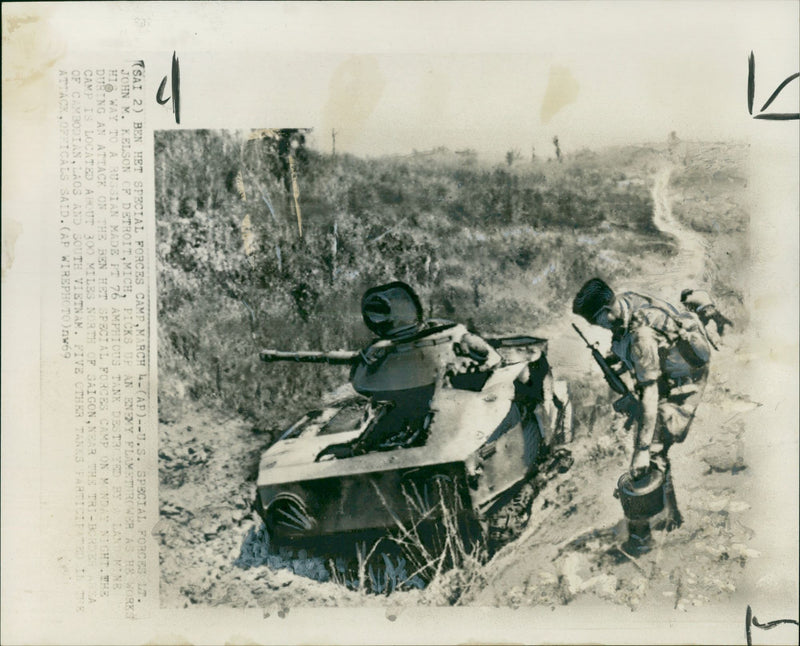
[688, 265]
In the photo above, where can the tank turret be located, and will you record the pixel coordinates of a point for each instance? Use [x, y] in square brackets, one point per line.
[433, 404]
[410, 354]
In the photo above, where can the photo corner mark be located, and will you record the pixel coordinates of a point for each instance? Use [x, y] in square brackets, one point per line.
[751, 621]
[751, 90]
[175, 97]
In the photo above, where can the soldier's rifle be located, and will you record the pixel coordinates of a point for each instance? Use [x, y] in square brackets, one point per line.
[628, 404]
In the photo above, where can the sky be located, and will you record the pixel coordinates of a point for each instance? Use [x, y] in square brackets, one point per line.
[479, 77]
[394, 77]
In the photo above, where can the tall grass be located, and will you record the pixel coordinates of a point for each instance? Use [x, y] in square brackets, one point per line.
[439, 536]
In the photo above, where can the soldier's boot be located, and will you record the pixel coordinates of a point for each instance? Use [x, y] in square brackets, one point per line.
[640, 540]
[672, 516]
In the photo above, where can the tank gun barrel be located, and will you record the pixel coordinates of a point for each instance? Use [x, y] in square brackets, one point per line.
[517, 341]
[335, 357]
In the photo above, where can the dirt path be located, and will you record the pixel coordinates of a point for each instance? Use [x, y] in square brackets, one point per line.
[664, 278]
[688, 266]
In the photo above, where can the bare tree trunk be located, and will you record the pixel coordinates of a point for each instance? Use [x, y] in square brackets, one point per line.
[296, 194]
[334, 250]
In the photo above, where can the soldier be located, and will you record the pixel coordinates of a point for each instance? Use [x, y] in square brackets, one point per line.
[667, 355]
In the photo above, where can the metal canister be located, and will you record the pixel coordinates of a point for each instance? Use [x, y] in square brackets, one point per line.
[642, 498]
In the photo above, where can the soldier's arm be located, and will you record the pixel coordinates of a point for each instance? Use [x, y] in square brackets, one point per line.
[647, 427]
[647, 370]
[477, 349]
[620, 369]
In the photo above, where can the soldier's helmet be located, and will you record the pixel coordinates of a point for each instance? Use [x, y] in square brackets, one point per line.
[392, 311]
[591, 298]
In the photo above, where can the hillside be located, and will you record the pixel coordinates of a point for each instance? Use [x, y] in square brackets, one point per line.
[501, 248]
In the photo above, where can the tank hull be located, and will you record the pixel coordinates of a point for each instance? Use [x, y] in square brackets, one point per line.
[477, 446]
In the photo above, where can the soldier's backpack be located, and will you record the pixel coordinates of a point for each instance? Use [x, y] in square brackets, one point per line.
[688, 333]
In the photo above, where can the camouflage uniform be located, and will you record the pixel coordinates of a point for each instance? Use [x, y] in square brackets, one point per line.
[644, 343]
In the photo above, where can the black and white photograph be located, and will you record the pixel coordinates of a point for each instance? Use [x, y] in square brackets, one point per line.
[401, 323]
[370, 386]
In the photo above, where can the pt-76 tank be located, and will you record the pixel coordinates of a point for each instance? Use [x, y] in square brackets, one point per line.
[432, 409]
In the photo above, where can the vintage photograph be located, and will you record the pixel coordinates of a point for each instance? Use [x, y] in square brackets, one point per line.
[400, 322]
[436, 378]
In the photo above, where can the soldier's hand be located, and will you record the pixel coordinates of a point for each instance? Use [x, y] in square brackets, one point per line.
[640, 463]
[474, 347]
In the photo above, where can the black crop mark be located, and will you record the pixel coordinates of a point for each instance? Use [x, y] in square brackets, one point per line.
[751, 91]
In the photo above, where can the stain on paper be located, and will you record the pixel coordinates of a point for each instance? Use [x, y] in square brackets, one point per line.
[562, 89]
[785, 353]
[11, 231]
[169, 640]
[12, 23]
[355, 89]
[30, 51]
[240, 640]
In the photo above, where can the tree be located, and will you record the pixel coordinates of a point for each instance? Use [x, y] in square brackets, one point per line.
[558, 148]
[512, 156]
[285, 151]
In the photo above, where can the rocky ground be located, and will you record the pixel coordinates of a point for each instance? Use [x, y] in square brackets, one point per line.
[568, 547]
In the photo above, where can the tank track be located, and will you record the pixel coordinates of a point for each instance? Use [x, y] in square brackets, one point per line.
[500, 527]
[507, 523]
